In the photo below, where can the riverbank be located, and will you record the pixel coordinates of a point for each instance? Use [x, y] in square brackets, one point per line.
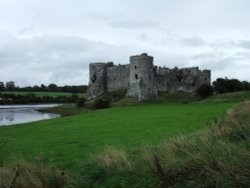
[66, 110]
[18, 114]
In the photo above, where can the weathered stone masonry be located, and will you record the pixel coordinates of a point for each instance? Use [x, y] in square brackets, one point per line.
[143, 80]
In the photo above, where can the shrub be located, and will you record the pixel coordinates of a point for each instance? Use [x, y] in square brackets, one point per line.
[80, 102]
[73, 98]
[101, 103]
[205, 91]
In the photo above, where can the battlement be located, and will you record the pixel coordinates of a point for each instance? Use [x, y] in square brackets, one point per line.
[141, 79]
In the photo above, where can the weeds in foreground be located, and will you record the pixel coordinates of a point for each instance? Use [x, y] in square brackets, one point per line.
[24, 174]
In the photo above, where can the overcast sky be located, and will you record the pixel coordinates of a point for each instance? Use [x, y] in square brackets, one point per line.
[53, 41]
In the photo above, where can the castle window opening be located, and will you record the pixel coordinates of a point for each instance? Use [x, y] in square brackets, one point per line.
[205, 78]
[135, 67]
[179, 78]
[136, 76]
[93, 78]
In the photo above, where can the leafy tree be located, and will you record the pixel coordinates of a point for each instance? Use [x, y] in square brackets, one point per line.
[227, 85]
[52, 87]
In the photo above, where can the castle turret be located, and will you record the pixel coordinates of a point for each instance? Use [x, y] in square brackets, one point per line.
[141, 79]
[97, 79]
[205, 77]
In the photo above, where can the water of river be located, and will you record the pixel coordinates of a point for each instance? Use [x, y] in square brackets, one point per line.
[16, 114]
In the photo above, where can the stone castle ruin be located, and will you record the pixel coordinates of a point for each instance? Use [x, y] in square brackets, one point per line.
[143, 80]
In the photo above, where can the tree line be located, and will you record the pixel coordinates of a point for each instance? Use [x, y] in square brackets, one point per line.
[31, 98]
[222, 85]
[50, 88]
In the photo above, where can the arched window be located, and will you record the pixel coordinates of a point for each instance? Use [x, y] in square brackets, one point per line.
[136, 76]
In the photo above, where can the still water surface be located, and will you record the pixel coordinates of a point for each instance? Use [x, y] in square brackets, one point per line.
[16, 114]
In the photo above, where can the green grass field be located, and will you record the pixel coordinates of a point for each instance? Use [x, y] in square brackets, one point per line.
[70, 141]
[42, 94]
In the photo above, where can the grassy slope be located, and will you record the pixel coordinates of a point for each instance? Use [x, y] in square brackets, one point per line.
[68, 140]
[41, 94]
[235, 96]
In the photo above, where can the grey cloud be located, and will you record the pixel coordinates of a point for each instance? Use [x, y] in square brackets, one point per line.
[134, 24]
[193, 41]
[244, 44]
[214, 61]
[54, 42]
[59, 59]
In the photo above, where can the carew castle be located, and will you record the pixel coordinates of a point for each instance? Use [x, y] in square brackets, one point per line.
[141, 79]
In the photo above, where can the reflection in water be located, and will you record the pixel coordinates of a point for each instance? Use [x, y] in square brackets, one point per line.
[1, 117]
[16, 114]
[10, 116]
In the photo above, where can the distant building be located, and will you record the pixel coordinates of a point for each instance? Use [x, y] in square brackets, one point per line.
[10, 85]
[143, 80]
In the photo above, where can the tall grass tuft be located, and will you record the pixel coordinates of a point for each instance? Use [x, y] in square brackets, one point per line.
[24, 174]
[115, 158]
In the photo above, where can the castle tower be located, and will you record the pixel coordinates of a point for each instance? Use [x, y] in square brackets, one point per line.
[205, 77]
[141, 78]
[97, 79]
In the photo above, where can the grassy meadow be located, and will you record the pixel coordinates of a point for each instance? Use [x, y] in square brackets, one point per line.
[161, 144]
[70, 140]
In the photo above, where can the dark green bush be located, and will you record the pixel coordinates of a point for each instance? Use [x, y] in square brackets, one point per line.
[80, 102]
[101, 103]
[205, 91]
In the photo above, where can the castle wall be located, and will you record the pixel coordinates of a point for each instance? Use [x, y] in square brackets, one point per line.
[174, 80]
[117, 78]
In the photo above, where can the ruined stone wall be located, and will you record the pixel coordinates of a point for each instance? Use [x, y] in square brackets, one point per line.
[97, 79]
[117, 78]
[174, 80]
